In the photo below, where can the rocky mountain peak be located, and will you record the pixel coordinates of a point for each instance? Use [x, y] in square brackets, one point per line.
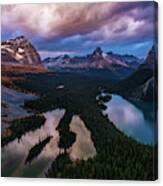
[19, 50]
[150, 61]
[98, 51]
[151, 57]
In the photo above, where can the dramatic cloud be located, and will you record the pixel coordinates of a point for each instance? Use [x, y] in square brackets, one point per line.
[68, 25]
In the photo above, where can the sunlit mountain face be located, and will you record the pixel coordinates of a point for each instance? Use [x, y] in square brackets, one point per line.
[78, 28]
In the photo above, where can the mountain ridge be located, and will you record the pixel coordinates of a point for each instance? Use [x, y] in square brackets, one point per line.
[142, 84]
[97, 59]
[119, 65]
[19, 50]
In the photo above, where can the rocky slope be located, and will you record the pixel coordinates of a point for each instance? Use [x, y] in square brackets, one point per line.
[151, 60]
[19, 50]
[116, 65]
[142, 84]
[97, 60]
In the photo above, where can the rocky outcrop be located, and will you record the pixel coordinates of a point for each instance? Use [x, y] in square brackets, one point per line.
[151, 60]
[145, 91]
[120, 65]
[142, 84]
[19, 50]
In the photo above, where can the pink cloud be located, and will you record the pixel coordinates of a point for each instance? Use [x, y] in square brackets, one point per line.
[110, 20]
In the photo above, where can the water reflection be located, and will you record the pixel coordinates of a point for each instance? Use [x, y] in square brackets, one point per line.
[131, 120]
[83, 148]
[12, 105]
[16, 152]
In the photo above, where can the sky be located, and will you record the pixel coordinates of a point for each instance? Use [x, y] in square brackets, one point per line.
[78, 28]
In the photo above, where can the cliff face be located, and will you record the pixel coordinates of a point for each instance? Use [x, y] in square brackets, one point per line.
[19, 50]
[142, 84]
[96, 60]
[117, 65]
[151, 60]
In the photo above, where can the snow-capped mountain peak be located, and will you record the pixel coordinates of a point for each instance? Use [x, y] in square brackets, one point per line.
[19, 50]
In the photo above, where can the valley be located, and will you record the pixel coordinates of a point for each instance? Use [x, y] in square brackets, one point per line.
[79, 90]
[77, 97]
[78, 117]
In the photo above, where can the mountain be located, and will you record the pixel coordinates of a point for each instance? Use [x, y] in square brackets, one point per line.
[151, 60]
[132, 60]
[56, 61]
[116, 63]
[142, 84]
[19, 51]
[98, 60]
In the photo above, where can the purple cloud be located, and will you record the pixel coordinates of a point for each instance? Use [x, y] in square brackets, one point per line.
[79, 24]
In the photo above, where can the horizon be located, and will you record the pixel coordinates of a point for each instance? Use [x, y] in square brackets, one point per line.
[46, 54]
[68, 28]
[57, 54]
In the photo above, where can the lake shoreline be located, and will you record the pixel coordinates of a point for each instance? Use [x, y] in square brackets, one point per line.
[107, 104]
[78, 96]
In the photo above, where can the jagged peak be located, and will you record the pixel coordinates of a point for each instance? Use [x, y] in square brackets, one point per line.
[16, 40]
[151, 56]
[97, 51]
[21, 37]
[20, 49]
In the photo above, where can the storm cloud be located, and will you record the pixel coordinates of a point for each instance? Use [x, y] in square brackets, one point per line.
[80, 26]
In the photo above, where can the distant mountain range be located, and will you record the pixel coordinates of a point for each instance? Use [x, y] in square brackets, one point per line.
[142, 84]
[117, 65]
[19, 51]
[97, 60]
[141, 76]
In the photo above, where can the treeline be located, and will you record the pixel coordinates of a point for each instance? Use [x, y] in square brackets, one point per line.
[67, 137]
[20, 126]
[37, 149]
[118, 156]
